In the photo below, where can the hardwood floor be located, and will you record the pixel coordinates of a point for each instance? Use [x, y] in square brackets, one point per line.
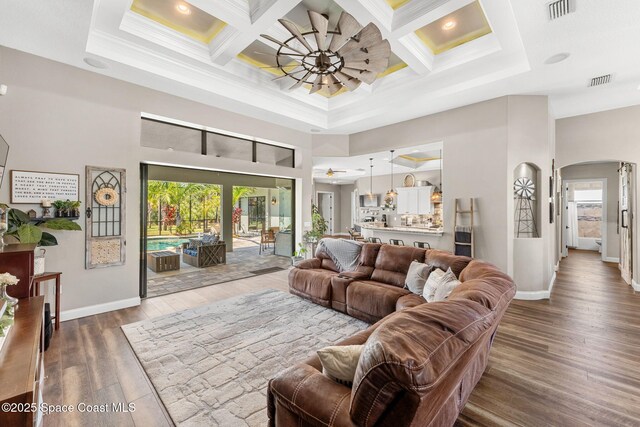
[573, 360]
[90, 360]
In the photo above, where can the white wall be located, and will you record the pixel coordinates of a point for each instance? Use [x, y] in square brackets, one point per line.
[58, 118]
[609, 171]
[475, 165]
[606, 136]
[531, 261]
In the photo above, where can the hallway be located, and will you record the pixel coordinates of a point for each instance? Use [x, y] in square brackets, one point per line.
[569, 361]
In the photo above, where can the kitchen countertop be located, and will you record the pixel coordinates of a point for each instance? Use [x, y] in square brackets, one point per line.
[416, 230]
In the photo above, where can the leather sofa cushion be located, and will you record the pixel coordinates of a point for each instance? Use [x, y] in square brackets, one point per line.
[313, 284]
[411, 350]
[410, 300]
[371, 301]
[393, 263]
[446, 260]
[369, 254]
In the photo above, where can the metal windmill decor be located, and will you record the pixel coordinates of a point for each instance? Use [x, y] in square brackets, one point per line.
[332, 59]
[524, 191]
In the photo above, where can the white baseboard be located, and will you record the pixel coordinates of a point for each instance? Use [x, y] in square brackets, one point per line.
[635, 285]
[98, 308]
[536, 295]
[611, 259]
[532, 295]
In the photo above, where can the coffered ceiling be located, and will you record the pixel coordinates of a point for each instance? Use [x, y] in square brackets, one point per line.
[445, 53]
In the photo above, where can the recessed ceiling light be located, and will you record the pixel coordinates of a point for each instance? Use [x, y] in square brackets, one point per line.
[558, 57]
[170, 149]
[95, 63]
[183, 9]
[449, 25]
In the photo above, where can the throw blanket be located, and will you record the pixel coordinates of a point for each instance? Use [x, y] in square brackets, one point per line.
[344, 253]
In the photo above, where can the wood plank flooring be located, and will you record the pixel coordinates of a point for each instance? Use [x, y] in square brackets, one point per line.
[571, 361]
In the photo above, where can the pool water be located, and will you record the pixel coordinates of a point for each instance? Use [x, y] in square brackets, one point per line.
[164, 244]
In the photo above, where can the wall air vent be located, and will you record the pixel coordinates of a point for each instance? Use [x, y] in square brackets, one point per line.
[601, 80]
[560, 8]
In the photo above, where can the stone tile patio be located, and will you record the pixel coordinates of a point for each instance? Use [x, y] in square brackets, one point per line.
[245, 261]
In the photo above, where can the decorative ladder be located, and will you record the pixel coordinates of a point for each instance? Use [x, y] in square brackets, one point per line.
[461, 244]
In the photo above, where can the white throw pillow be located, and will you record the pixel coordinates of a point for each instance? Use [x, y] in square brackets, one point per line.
[439, 285]
[417, 277]
[339, 362]
[429, 292]
[447, 283]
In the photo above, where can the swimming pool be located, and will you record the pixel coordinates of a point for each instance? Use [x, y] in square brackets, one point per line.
[164, 244]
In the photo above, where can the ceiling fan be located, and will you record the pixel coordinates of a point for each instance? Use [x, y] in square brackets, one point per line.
[343, 57]
[331, 172]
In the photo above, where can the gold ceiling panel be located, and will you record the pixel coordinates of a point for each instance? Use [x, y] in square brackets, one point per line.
[457, 28]
[397, 4]
[182, 17]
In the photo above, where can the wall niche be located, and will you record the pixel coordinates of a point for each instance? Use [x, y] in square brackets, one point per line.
[526, 200]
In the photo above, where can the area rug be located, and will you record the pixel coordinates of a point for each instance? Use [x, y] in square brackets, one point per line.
[210, 365]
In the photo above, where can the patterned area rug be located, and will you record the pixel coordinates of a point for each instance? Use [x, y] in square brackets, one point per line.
[210, 365]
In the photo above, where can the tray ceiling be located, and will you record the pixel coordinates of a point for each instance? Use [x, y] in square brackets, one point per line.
[209, 55]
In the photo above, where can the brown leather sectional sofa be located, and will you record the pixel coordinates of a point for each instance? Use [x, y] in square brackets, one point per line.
[420, 361]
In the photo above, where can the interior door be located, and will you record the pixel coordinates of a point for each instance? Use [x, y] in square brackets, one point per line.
[625, 221]
[325, 207]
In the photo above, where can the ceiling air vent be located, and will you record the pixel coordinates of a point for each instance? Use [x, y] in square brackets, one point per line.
[560, 8]
[601, 80]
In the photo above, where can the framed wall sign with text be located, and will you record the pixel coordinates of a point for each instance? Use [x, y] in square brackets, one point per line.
[31, 187]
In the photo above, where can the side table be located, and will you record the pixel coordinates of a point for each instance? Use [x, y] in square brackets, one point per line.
[36, 290]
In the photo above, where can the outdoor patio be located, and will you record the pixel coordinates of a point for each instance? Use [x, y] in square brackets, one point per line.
[245, 261]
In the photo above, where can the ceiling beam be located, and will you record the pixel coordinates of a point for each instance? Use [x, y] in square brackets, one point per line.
[249, 31]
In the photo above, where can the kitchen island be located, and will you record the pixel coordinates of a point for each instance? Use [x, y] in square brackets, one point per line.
[407, 234]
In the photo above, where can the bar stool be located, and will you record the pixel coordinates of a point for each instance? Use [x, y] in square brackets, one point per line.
[374, 240]
[422, 245]
[396, 242]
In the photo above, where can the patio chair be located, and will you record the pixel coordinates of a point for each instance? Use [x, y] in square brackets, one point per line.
[355, 235]
[201, 253]
[374, 240]
[268, 237]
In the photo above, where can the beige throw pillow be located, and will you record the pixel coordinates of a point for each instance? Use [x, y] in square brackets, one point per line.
[339, 362]
[417, 277]
[439, 285]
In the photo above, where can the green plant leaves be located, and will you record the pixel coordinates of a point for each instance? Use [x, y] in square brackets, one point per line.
[29, 233]
[18, 217]
[61, 224]
[48, 239]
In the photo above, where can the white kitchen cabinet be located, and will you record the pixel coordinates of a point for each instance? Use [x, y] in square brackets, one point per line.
[424, 200]
[414, 200]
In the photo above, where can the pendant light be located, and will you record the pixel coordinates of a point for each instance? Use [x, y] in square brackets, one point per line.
[392, 192]
[436, 196]
[370, 178]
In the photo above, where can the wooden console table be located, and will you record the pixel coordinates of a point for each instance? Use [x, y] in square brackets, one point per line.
[36, 291]
[21, 363]
[17, 259]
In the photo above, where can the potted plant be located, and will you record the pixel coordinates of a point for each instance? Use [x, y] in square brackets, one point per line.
[7, 279]
[23, 229]
[75, 208]
[60, 206]
[300, 254]
[68, 207]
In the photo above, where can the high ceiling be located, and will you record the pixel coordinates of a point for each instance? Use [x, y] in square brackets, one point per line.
[446, 53]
